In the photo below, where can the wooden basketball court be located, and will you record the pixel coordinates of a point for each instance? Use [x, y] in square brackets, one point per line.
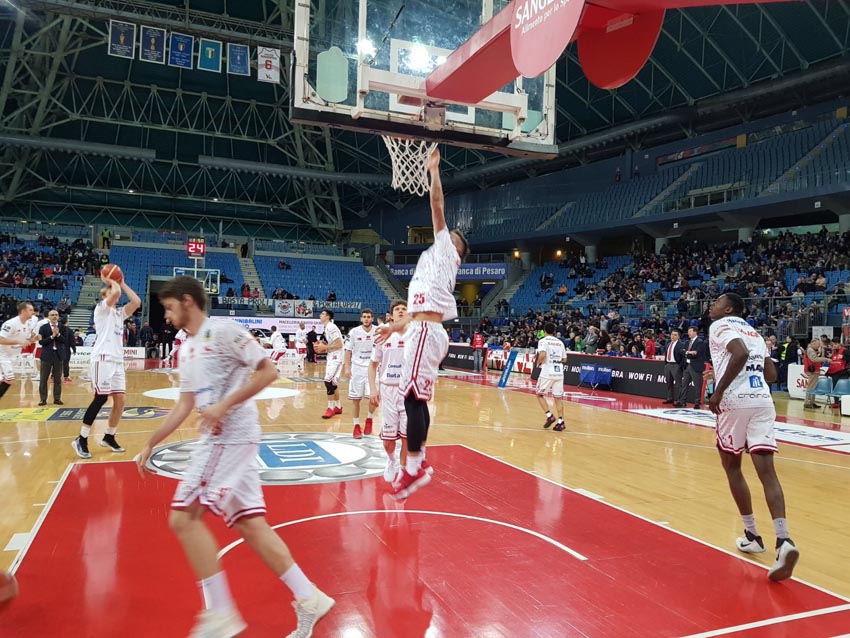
[641, 544]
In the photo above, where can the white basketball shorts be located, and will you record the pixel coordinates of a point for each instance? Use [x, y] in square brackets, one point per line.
[107, 376]
[425, 346]
[224, 478]
[393, 414]
[555, 385]
[332, 371]
[7, 370]
[358, 387]
[747, 428]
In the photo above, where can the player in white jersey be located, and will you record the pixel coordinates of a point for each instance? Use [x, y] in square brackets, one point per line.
[107, 364]
[389, 357]
[301, 340]
[333, 348]
[430, 302]
[179, 338]
[15, 334]
[358, 353]
[278, 344]
[551, 357]
[30, 352]
[221, 369]
[745, 421]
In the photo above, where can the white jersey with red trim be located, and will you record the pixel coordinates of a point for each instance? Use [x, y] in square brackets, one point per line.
[109, 325]
[332, 333]
[14, 328]
[216, 362]
[390, 359]
[300, 338]
[179, 338]
[749, 389]
[556, 355]
[433, 283]
[278, 341]
[360, 343]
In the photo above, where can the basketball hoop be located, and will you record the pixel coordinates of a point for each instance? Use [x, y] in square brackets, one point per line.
[410, 163]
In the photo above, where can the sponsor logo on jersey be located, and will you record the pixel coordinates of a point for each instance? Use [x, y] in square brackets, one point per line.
[292, 458]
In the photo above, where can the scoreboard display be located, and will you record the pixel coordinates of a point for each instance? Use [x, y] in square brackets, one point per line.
[196, 247]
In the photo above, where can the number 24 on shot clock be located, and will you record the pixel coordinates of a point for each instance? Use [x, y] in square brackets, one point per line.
[196, 247]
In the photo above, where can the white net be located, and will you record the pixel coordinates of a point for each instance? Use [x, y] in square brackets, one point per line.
[410, 163]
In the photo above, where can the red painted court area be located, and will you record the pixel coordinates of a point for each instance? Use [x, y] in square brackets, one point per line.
[485, 551]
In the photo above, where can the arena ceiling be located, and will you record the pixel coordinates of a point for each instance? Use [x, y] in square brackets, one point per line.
[88, 137]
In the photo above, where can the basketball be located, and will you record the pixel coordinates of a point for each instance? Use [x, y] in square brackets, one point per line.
[113, 272]
[8, 587]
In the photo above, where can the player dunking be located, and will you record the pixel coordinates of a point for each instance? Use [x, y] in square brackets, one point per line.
[358, 353]
[15, 334]
[107, 364]
[221, 369]
[430, 302]
[745, 421]
[389, 356]
[333, 348]
[551, 355]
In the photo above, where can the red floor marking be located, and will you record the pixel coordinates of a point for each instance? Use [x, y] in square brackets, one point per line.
[105, 558]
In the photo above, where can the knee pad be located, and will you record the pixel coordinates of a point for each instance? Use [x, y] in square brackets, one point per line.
[330, 387]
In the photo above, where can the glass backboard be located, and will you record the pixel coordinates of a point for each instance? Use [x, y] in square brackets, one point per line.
[362, 64]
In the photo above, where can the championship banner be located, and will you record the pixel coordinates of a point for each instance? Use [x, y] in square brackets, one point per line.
[180, 50]
[238, 59]
[268, 65]
[209, 55]
[122, 39]
[152, 47]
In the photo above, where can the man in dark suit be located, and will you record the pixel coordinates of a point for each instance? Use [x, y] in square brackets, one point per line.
[70, 348]
[53, 353]
[696, 356]
[674, 363]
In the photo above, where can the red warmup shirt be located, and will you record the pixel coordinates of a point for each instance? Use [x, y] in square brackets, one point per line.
[478, 341]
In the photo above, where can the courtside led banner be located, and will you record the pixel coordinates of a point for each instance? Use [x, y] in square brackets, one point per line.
[466, 271]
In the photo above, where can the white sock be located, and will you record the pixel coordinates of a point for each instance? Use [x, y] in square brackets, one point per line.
[85, 431]
[331, 405]
[356, 420]
[548, 414]
[216, 593]
[414, 463]
[111, 431]
[560, 419]
[423, 452]
[781, 527]
[300, 585]
[750, 523]
[369, 416]
[338, 404]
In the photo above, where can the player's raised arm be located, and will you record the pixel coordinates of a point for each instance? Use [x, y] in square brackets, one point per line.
[135, 303]
[438, 215]
[113, 294]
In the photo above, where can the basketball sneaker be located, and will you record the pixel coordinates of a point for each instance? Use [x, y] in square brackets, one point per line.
[367, 430]
[109, 441]
[390, 470]
[549, 421]
[309, 612]
[358, 433]
[407, 484]
[337, 410]
[560, 426]
[81, 447]
[749, 543]
[212, 623]
[329, 414]
[787, 556]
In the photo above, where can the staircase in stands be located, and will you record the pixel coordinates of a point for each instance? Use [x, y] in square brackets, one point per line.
[80, 317]
[250, 275]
